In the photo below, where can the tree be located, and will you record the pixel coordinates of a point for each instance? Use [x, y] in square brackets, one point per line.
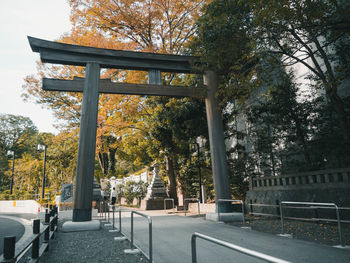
[247, 42]
[313, 34]
[17, 134]
[155, 26]
[174, 124]
[223, 39]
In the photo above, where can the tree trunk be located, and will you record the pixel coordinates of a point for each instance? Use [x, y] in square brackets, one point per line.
[171, 178]
[338, 105]
[103, 161]
[112, 160]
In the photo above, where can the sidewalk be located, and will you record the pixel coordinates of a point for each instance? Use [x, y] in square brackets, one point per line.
[172, 243]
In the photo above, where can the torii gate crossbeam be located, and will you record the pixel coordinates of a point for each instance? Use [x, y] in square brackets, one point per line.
[96, 58]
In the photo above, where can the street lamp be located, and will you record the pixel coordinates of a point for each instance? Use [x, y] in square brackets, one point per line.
[196, 145]
[12, 153]
[42, 147]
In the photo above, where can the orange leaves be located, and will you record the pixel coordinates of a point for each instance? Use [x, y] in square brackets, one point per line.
[152, 26]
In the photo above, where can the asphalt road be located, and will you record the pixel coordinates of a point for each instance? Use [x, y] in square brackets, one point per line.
[11, 225]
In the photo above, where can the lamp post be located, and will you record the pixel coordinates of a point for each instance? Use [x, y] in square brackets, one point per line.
[196, 145]
[42, 147]
[12, 153]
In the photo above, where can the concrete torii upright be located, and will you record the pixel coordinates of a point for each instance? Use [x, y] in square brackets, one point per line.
[91, 86]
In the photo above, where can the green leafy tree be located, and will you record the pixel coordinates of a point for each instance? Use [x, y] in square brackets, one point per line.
[312, 34]
[17, 133]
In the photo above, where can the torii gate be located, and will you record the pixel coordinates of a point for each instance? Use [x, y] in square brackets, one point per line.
[91, 86]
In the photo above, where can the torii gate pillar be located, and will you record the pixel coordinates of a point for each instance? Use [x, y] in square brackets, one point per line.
[217, 142]
[87, 145]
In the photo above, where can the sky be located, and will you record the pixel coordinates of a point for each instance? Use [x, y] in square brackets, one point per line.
[46, 19]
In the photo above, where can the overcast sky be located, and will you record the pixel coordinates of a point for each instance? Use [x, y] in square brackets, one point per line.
[46, 19]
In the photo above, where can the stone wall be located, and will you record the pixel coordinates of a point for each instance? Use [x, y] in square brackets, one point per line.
[327, 186]
[314, 180]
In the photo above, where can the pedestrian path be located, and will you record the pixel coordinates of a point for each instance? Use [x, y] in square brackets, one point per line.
[172, 242]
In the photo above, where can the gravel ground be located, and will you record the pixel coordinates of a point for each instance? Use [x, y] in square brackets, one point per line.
[322, 233]
[89, 247]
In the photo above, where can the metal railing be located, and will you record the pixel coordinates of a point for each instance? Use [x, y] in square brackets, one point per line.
[277, 207]
[192, 199]
[242, 250]
[313, 206]
[10, 254]
[149, 232]
[169, 199]
[232, 201]
[251, 211]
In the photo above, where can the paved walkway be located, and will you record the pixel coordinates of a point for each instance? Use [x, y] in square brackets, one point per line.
[172, 242]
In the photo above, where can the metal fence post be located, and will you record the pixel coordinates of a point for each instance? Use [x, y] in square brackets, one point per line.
[47, 219]
[35, 246]
[150, 238]
[281, 215]
[113, 216]
[132, 229]
[52, 228]
[243, 210]
[193, 249]
[47, 230]
[108, 212]
[339, 226]
[120, 219]
[199, 212]
[102, 209]
[9, 248]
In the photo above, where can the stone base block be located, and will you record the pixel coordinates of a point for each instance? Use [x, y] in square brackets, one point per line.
[70, 226]
[155, 204]
[225, 217]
